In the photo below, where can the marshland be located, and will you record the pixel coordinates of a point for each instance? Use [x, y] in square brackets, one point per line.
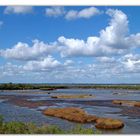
[69, 108]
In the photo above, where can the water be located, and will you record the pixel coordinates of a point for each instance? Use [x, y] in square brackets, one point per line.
[12, 112]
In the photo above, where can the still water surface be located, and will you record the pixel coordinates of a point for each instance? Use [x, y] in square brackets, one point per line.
[13, 112]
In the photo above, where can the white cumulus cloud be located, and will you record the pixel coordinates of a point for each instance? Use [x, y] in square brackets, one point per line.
[57, 11]
[113, 40]
[44, 64]
[106, 59]
[54, 11]
[84, 13]
[111, 48]
[131, 62]
[18, 9]
[22, 51]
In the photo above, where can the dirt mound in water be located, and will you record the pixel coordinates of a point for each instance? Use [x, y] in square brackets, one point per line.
[108, 123]
[71, 114]
[79, 115]
[73, 96]
[126, 102]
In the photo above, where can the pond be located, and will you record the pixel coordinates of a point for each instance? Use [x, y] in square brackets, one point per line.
[27, 106]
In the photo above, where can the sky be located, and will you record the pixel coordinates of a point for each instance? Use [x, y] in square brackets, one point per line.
[79, 44]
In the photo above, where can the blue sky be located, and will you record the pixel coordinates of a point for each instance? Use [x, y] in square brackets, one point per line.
[80, 44]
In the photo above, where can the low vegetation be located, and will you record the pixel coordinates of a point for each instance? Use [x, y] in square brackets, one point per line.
[71, 114]
[30, 128]
[111, 86]
[108, 123]
[73, 96]
[79, 115]
[127, 102]
[12, 86]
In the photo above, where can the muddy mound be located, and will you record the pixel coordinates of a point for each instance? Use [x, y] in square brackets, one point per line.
[71, 114]
[126, 102]
[79, 115]
[108, 123]
[73, 96]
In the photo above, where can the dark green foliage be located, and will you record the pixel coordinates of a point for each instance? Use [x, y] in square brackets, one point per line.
[1, 120]
[80, 130]
[48, 130]
[15, 128]
[130, 87]
[11, 86]
[30, 128]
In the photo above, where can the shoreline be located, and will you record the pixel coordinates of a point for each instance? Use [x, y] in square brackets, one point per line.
[46, 87]
[99, 88]
[24, 102]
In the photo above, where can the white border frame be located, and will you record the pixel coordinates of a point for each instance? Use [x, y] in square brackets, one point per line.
[71, 2]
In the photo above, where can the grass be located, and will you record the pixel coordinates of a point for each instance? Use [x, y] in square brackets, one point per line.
[71, 114]
[12, 86]
[64, 96]
[30, 128]
[79, 115]
[127, 102]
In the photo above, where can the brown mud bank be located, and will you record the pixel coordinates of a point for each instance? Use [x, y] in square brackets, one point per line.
[27, 91]
[48, 89]
[27, 101]
[79, 115]
[79, 96]
[31, 104]
[23, 101]
[127, 102]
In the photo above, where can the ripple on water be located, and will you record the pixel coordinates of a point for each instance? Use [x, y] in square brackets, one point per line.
[23, 114]
[15, 113]
[1, 100]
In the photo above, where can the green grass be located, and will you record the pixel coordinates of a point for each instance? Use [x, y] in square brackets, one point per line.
[30, 128]
[12, 86]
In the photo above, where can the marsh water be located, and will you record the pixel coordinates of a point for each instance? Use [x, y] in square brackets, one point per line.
[14, 108]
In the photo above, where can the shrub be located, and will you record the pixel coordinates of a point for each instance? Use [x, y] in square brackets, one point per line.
[80, 130]
[30, 128]
[1, 120]
[15, 128]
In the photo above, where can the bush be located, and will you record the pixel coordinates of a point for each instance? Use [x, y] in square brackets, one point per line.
[15, 128]
[80, 130]
[30, 128]
[1, 120]
[48, 130]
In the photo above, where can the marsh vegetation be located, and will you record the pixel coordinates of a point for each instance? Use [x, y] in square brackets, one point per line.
[13, 86]
[30, 128]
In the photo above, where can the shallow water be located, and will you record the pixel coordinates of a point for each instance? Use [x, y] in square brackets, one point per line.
[13, 112]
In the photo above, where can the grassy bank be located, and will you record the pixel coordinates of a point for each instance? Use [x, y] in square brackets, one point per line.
[30, 128]
[131, 87]
[11, 86]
